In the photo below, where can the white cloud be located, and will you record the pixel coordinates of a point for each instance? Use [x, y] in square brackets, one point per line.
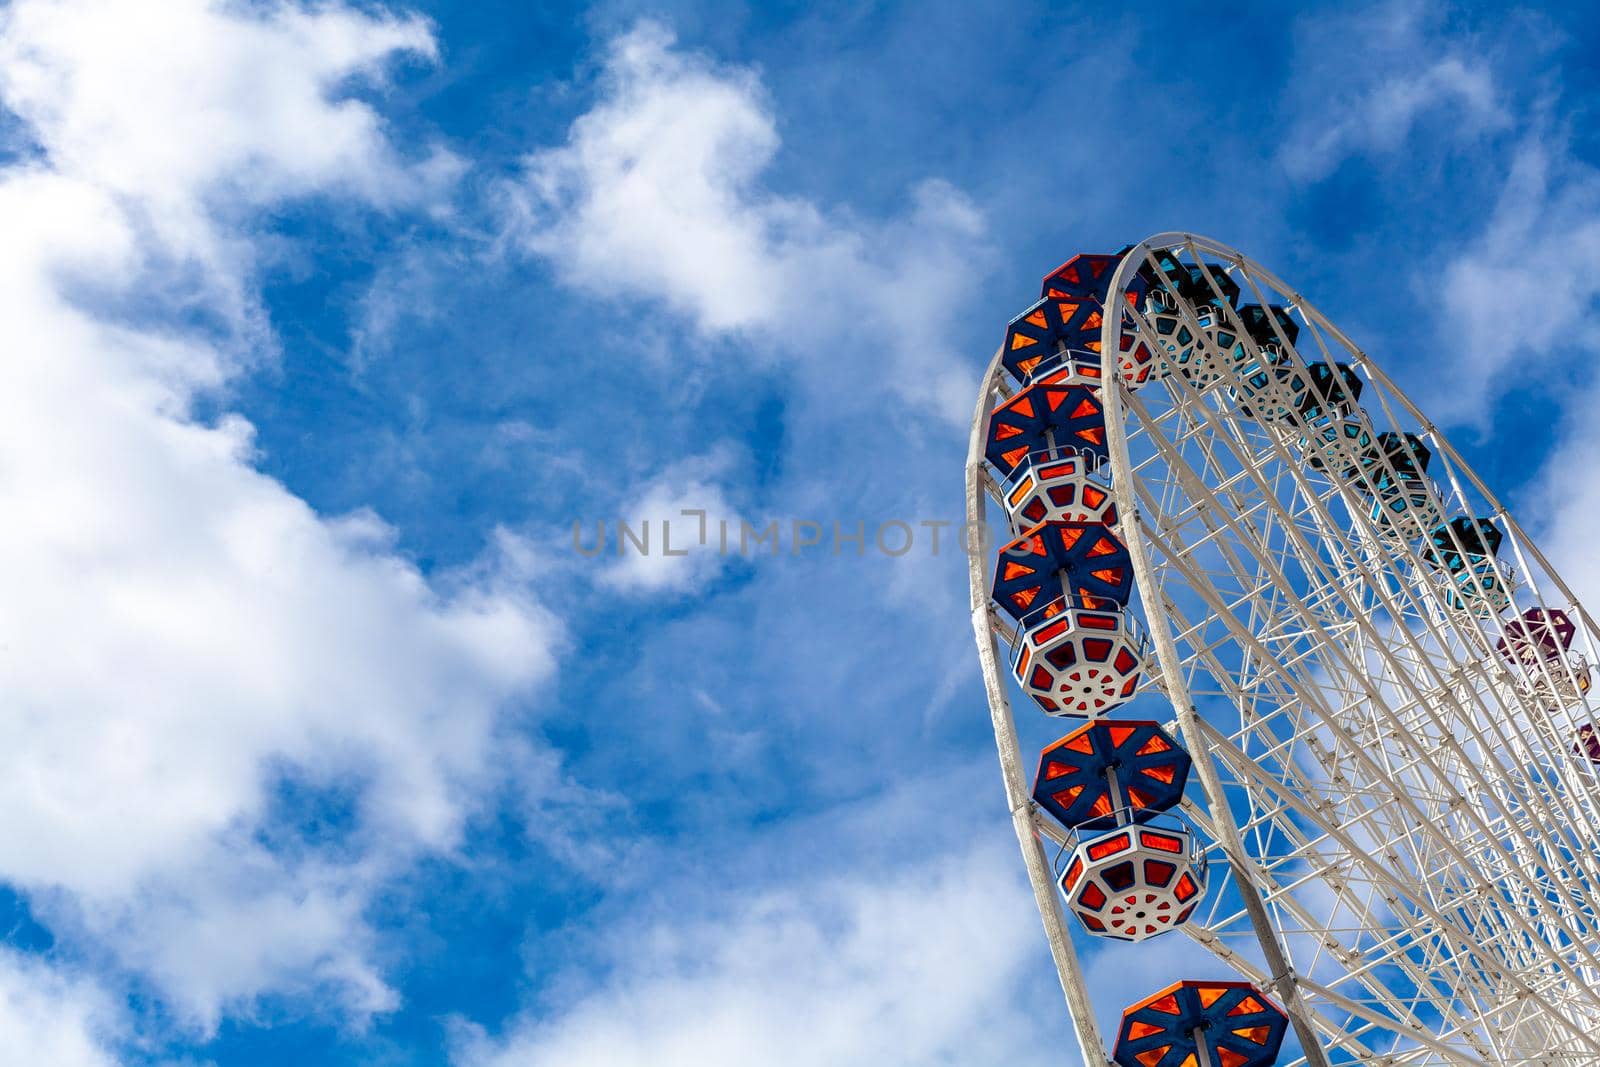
[658, 194]
[658, 183]
[50, 1018]
[186, 112]
[918, 970]
[163, 101]
[1508, 301]
[1364, 81]
[1520, 296]
[179, 632]
[1568, 493]
[669, 548]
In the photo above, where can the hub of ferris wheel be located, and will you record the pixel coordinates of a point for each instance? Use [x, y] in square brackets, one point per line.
[1203, 517]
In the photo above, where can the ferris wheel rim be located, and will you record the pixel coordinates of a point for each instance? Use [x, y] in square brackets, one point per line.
[1041, 874]
[988, 627]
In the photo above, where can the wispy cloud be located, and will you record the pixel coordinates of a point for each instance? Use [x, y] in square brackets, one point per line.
[48, 1017]
[1365, 80]
[678, 525]
[916, 971]
[1503, 278]
[1517, 302]
[661, 195]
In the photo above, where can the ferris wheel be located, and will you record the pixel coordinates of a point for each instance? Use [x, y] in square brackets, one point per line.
[1329, 707]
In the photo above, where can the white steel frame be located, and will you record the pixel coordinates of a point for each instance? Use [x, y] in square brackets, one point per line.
[1405, 844]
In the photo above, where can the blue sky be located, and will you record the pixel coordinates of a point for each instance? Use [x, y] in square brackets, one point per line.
[323, 324]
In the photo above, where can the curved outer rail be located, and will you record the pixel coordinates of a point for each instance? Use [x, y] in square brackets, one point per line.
[1012, 770]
